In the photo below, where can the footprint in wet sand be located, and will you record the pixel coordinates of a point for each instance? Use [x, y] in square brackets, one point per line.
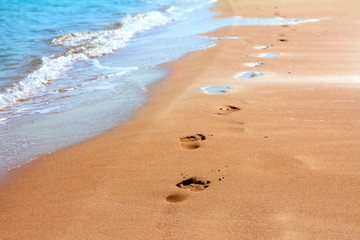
[192, 142]
[229, 108]
[269, 55]
[176, 198]
[215, 89]
[261, 47]
[194, 184]
[244, 75]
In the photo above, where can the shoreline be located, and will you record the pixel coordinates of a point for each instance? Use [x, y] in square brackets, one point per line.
[285, 165]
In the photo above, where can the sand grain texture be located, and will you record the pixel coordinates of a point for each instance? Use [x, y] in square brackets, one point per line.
[285, 166]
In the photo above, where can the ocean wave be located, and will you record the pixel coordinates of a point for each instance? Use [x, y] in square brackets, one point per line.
[81, 46]
[96, 44]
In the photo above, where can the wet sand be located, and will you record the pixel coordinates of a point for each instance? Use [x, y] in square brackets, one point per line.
[276, 156]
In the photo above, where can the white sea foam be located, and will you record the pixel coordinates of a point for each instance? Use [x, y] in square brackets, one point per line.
[81, 46]
[3, 119]
[51, 68]
[170, 9]
[96, 44]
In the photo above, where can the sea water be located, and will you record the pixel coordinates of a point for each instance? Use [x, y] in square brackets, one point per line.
[71, 70]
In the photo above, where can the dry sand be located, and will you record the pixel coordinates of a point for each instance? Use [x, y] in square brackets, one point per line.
[285, 165]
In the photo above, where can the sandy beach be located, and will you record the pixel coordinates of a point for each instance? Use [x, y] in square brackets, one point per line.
[275, 156]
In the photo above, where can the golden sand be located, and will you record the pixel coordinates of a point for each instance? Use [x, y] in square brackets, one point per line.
[275, 157]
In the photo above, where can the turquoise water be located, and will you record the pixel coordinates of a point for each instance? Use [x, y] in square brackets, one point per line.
[27, 26]
[71, 70]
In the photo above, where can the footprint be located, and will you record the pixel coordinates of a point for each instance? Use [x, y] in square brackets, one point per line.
[249, 74]
[261, 47]
[269, 55]
[215, 89]
[194, 184]
[176, 198]
[220, 114]
[190, 145]
[196, 137]
[229, 108]
[192, 142]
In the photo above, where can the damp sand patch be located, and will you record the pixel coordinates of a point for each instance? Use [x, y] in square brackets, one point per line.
[261, 47]
[269, 55]
[215, 89]
[244, 75]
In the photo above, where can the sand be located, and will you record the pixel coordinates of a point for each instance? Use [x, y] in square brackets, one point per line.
[275, 156]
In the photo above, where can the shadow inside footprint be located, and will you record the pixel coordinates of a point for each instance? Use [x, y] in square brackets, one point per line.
[193, 184]
[191, 142]
[221, 114]
[229, 108]
[176, 198]
[196, 137]
[191, 145]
